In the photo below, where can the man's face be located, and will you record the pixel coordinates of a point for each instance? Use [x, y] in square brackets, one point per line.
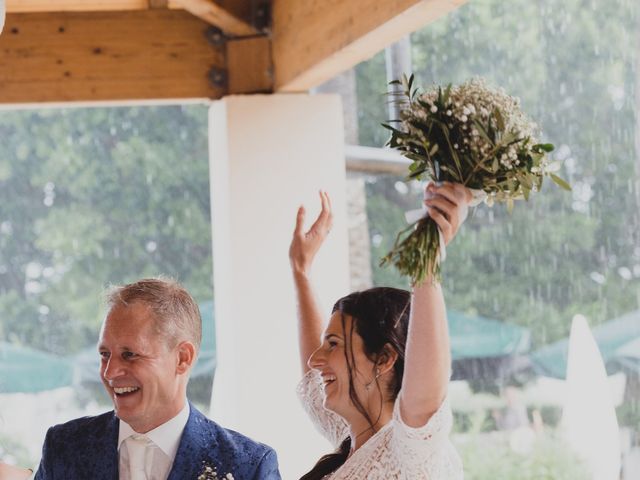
[138, 369]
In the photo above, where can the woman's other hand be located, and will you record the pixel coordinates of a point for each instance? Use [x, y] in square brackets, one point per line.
[305, 245]
[448, 204]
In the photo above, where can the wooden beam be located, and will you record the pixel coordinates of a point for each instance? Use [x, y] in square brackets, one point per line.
[31, 6]
[232, 16]
[315, 40]
[224, 17]
[249, 65]
[66, 57]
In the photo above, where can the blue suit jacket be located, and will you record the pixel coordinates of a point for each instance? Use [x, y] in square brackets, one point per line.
[86, 449]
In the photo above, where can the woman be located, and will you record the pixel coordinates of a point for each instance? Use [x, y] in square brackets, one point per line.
[375, 383]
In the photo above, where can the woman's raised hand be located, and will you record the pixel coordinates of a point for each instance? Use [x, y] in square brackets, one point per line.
[448, 204]
[305, 245]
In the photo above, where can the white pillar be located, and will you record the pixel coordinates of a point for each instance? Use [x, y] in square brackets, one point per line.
[269, 154]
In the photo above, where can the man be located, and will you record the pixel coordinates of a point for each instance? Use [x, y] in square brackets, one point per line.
[148, 343]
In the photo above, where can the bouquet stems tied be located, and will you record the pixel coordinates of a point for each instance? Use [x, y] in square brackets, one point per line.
[416, 251]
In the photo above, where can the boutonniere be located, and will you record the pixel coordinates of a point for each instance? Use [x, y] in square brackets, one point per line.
[209, 472]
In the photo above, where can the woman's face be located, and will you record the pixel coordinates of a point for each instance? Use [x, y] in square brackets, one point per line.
[330, 360]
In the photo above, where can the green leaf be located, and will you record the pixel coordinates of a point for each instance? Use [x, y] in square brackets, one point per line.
[447, 93]
[545, 147]
[483, 132]
[560, 182]
[499, 119]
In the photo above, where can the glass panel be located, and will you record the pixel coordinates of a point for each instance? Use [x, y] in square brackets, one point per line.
[91, 197]
[524, 277]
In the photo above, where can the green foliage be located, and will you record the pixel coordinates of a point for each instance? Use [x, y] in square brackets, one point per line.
[488, 457]
[90, 197]
[559, 254]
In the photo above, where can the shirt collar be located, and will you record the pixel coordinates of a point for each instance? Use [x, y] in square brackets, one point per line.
[166, 436]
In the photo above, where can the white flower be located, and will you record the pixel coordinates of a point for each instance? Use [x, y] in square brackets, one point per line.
[449, 113]
[464, 118]
[433, 109]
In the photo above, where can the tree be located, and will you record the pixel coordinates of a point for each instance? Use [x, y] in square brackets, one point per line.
[90, 197]
[560, 254]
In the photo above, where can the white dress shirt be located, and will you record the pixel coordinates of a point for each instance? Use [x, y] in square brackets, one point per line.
[162, 451]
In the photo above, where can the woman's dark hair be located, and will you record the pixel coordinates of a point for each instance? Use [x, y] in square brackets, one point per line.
[381, 317]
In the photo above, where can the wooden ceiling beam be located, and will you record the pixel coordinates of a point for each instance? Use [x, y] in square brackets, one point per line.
[32, 6]
[103, 56]
[231, 17]
[314, 41]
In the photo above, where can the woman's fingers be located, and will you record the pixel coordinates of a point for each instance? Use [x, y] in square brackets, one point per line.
[300, 221]
[322, 225]
[442, 204]
[443, 224]
[448, 204]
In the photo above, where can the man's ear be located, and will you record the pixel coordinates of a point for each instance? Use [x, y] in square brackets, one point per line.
[186, 356]
[386, 359]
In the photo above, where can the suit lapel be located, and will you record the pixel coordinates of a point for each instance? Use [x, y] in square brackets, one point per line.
[112, 459]
[196, 449]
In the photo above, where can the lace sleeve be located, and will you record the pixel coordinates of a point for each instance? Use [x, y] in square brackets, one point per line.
[331, 425]
[426, 452]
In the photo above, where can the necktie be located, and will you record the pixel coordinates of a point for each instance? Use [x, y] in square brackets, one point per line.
[137, 447]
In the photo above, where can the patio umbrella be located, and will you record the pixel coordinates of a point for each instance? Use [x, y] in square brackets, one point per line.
[616, 341]
[485, 351]
[26, 370]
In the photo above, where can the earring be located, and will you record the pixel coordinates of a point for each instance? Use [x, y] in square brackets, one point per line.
[368, 385]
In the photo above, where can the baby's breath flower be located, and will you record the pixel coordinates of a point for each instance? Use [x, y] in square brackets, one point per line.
[500, 155]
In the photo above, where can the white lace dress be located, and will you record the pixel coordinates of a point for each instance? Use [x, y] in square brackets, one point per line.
[396, 451]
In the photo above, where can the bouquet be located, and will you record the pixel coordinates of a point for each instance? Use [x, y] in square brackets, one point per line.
[470, 134]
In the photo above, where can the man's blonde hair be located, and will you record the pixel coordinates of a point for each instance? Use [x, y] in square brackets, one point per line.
[177, 317]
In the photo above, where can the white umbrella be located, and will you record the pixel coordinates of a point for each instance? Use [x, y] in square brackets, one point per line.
[589, 417]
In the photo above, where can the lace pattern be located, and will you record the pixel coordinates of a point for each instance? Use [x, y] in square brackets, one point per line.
[397, 451]
[330, 425]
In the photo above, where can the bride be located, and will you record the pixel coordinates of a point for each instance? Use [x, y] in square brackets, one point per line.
[375, 381]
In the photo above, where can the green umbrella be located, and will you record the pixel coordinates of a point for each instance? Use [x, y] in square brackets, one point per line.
[26, 370]
[480, 337]
[616, 339]
[206, 363]
[486, 351]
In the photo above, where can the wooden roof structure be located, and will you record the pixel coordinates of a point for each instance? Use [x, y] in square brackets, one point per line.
[118, 50]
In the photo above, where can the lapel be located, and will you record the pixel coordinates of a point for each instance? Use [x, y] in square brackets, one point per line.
[102, 445]
[111, 461]
[197, 448]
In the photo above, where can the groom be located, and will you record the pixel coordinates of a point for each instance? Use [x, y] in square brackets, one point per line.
[148, 343]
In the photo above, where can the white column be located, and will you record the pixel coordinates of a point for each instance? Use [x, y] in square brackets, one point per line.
[269, 154]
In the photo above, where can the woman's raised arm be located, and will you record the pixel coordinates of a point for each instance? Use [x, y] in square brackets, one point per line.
[302, 252]
[428, 354]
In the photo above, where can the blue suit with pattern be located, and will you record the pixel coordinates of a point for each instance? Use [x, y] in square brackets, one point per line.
[86, 449]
